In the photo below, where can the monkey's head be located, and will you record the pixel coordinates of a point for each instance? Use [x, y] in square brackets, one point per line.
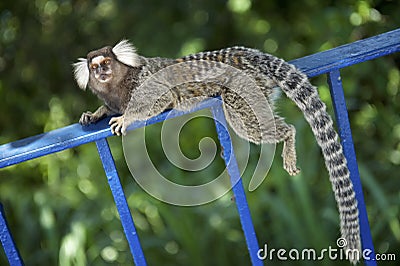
[103, 67]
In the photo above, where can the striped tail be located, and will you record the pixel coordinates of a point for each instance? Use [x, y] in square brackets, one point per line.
[297, 87]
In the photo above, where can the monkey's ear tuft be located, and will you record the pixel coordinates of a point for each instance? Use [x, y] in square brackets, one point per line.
[126, 53]
[81, 72]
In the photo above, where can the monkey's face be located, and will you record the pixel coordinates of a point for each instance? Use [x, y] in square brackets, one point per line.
[105, 66]
[101, 68]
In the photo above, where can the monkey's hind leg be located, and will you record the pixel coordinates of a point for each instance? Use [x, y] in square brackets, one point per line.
[261, 127]
[287, 134]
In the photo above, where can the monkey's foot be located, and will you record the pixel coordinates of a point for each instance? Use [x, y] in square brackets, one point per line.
[117, 125]
[290, 166]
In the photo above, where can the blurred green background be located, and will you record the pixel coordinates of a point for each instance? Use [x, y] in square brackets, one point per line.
[60, 208]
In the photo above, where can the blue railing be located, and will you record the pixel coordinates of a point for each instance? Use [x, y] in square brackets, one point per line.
[329, 62]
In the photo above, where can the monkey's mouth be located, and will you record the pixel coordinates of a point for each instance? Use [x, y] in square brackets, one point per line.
[104, 77]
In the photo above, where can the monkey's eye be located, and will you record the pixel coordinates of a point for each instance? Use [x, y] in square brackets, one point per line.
[94, 66]
[107, 61]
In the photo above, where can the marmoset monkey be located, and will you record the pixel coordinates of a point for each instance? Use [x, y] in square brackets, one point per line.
[116, 74]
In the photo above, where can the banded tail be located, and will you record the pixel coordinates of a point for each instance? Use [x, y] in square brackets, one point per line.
[297, 87]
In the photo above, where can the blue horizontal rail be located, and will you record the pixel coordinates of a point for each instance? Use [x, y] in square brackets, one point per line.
[328, 62]
[349, 54]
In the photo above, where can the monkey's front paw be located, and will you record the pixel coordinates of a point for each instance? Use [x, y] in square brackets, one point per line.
[87, 118]
[117, 125]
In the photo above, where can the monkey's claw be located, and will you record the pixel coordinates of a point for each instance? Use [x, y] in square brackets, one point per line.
[86, 118]
[117, 125]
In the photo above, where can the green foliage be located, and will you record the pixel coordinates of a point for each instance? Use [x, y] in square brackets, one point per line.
[60, 208]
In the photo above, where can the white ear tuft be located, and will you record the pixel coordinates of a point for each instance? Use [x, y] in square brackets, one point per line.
[81, 72]
[126, 53]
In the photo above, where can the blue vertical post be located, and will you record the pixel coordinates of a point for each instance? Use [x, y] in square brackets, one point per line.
[238, 190]
[339, 103]
[8, 242]
[120, 201]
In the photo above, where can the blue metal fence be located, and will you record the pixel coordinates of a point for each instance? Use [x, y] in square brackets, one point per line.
[329, 62]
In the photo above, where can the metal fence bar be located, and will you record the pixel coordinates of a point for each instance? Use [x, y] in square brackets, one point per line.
[236, 180]
[120, 202]
[350, 54]
[339, 103]
[7, 241]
